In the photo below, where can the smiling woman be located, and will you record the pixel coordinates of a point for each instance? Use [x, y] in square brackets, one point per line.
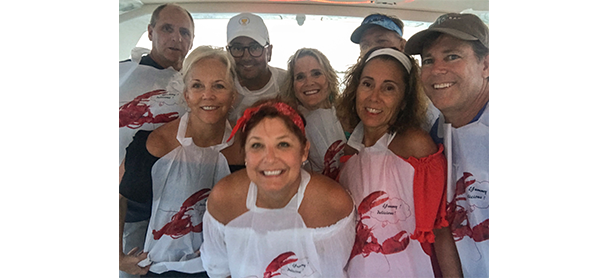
[171, 170]
[275, 217]
[396, 175]
[209, 96]
[312, 83]
[270, 137]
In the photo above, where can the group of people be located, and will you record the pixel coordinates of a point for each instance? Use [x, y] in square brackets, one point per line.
[232, 168]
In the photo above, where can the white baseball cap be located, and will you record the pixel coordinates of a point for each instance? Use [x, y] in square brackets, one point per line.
[247, 25]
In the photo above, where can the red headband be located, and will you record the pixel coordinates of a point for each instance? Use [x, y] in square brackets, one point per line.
[281, 107]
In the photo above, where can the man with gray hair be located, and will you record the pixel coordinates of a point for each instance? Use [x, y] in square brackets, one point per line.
[455, 75]
[150, 95]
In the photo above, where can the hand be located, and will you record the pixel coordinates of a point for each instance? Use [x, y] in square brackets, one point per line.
[128, 263]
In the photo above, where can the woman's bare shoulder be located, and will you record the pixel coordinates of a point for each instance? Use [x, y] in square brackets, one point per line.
[234, 153]
[227, 198]
[414, 142]
[325, 202]
[163, 139]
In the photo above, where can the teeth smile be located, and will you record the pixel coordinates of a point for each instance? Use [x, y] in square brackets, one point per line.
[208, 108]
[442, 85]
[272, 173]
[311, 92]
[373, 111]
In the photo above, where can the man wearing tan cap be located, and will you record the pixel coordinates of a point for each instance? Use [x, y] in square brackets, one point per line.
[249, 43]
[455, 75]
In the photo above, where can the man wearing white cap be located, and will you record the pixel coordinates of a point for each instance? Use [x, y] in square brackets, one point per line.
[379, 30]
[455, 75]
[248, 42]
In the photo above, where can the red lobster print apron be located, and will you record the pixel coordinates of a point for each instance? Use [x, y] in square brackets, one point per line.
[266, 243]
[148, 98]
[381, 184]
[181, 182]
[327, 138]
[467, 153]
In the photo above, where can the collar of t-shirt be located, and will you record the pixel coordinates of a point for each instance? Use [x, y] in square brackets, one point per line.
[479, 113]
[434, 129]
[147, 61]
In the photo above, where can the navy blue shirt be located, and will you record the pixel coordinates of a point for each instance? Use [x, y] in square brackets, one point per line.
[434, 129]
[136, 184]
[147, 61]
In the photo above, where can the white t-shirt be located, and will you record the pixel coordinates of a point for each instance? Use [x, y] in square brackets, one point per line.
[245, 97]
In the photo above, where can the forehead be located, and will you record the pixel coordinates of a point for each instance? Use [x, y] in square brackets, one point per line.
[175, 16]
[270, 127]
[446, 43]
[243, 40]
[307, 61]
[375, 32]
[384, 69]
[211, 66]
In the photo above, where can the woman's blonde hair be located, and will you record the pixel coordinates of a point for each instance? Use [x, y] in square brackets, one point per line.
[287, 89]
[205, 51]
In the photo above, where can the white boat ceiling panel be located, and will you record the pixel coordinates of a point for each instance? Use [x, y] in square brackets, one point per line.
[416, 10]
[134, 15]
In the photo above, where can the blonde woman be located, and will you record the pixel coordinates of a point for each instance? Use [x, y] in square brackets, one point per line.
[174, 167]
[313, 85]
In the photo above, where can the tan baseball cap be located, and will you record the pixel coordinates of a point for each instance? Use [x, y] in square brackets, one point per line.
[467, 27]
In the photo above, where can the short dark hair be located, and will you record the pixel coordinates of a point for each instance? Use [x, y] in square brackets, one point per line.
[270, 111]
[155, 14]
[479, 49]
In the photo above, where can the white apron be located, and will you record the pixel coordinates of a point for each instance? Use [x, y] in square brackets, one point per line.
[181, 182]
[148, 98]
[467, 153]
[381, 184]
[327, 138]
[276, 242]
